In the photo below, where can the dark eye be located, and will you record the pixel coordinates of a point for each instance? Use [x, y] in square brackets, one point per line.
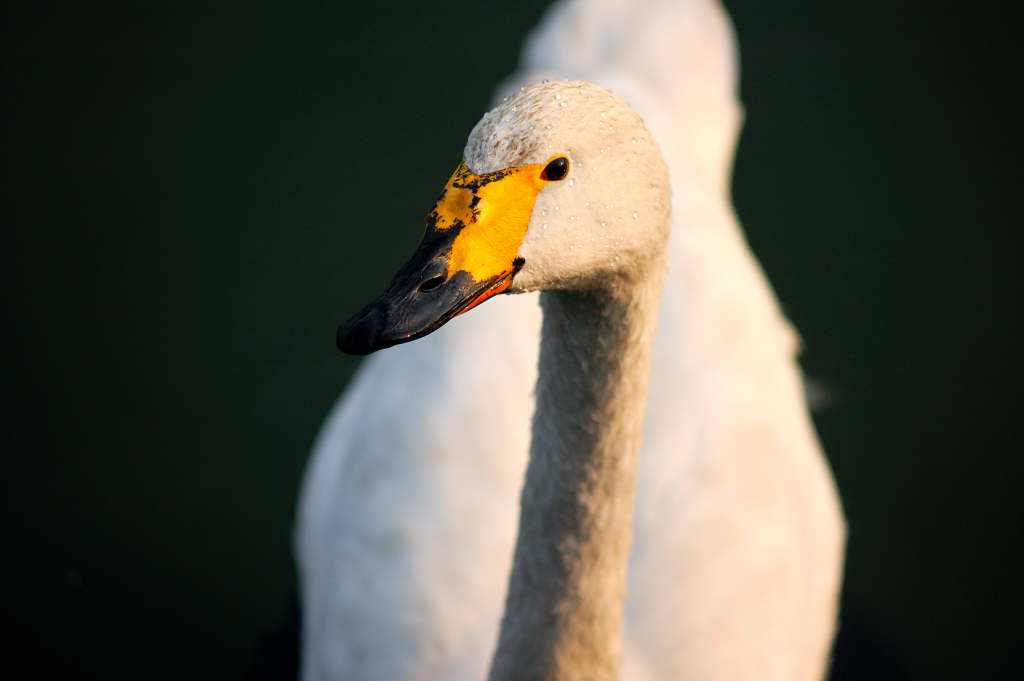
[556, 170]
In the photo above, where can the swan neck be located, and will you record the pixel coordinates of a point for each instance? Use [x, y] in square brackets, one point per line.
[563, 618]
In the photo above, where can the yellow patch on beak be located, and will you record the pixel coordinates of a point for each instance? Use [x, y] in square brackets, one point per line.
[492, 212]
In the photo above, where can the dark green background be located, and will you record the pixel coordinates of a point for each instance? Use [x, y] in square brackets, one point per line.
[199, 195]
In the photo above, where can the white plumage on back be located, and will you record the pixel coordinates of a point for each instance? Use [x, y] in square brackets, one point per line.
[408, 511]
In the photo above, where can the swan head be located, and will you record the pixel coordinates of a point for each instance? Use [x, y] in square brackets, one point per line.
[561, 187]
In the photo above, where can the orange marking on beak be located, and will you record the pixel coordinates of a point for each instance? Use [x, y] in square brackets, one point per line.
[499, 286]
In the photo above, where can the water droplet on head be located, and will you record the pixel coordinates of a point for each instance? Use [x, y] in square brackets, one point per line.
[635, 215]
[604, 224]
[556, 209]
[563, 104]
[544, 226]
[633, 140]
[544, 213]
[558, 96]
[572, 182]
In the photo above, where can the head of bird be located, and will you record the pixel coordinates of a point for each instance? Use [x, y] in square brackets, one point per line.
[561, 187]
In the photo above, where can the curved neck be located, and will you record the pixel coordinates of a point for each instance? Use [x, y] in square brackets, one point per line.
[563, 615]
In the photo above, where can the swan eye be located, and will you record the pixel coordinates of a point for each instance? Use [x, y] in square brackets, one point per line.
[555, 170]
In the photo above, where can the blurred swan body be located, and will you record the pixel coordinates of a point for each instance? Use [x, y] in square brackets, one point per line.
[408, 512]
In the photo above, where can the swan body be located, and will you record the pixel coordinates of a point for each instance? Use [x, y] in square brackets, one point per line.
[408, 513]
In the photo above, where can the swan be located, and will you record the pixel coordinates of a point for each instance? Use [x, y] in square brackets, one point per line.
[612, 474]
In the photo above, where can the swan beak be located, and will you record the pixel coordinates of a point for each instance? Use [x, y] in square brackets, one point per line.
[419, 301]
[468, 254]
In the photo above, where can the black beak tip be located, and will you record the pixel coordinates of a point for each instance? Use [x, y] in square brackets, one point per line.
[360, 335]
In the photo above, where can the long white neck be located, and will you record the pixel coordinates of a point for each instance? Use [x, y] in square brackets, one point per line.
[563, 616]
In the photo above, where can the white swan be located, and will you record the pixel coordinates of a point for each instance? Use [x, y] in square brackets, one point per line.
[408, 515]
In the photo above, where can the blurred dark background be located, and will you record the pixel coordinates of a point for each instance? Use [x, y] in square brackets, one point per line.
[194, 202]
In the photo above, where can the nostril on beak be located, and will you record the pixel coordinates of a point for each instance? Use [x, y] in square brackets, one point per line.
[432, 283]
